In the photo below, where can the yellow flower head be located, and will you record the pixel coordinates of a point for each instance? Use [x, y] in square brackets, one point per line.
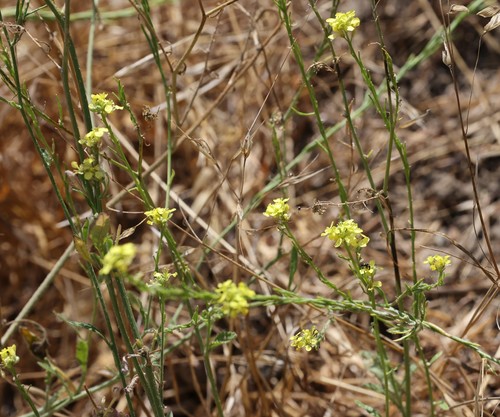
[278, 209]
[368, 271]
[89, 169]
[161, 279]
[159, 216]
[118, 258]
[233, 298]
[102, 105]
[347, 232]
[343, 23]
[437, 262]
[8, 357]
[93, 138]
[306, 339]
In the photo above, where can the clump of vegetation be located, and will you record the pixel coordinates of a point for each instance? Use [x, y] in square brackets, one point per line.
[245, 230]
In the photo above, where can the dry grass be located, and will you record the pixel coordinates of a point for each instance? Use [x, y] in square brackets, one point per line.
[240, 74]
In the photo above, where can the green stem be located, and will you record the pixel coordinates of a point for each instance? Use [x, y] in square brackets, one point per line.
[162, 344]
[113, 345]
[308, 260]
[285, 17]
[60, 405]
[146, 383]
[125, 164]
[427, 375]
[31, 123]
[205, 346]
[90, 50]
[24, 392]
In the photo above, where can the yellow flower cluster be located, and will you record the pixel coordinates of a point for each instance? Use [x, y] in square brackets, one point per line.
[343, 23]
[8, 357]
[159, 216]
[346, 233]
[368, 271]
[93, 138]
[278, 209]
[118, 258]
[437, 262]
[307, 339]
[89, 169]
[102, 105]
[161, 279]
[233, 298]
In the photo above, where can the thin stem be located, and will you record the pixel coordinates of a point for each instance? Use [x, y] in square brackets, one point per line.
[285, 17]
[24, 392]
[113, 345]
[146, 383]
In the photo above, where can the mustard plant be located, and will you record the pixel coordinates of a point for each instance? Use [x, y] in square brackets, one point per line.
[159, 216]
[233, 298]
[202, 308]
[306, 339]
[278, 210]
[343, 24]
[8, 357]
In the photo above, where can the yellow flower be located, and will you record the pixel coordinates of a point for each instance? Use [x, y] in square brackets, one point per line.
[8, 357]
[306, 339]
[347, 232]
[343, 23]
[159, 216]
[278, 209]
[118, 258]
[93, 138]
[233, 298]
[89, 168]
[437, 262]
[368, 271]
[102, 105]
[161, 279]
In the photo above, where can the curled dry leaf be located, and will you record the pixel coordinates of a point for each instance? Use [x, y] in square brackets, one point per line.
[493, 23]
[489, 11]
[457, 8]
[445, 55]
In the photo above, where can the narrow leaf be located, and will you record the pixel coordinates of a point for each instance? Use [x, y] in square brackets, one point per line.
[100, 232]
[222, 338]
[126, 233]
[293, 266]
[82, 249]
[82, 325]
[82, 353]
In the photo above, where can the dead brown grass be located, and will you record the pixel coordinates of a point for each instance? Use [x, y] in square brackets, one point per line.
[238, 75]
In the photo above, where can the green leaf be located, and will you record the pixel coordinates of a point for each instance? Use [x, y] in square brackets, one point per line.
[82, 353]
[195, 316]
[442, 405]
[136, 302]
[222, 338]
[293, 266]
[368, 409]
[302, 113]
[435, 358]
[99, 233]
[82, 325]
[53, 370]
[47, 157]
[82, 249]
[60, 120]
